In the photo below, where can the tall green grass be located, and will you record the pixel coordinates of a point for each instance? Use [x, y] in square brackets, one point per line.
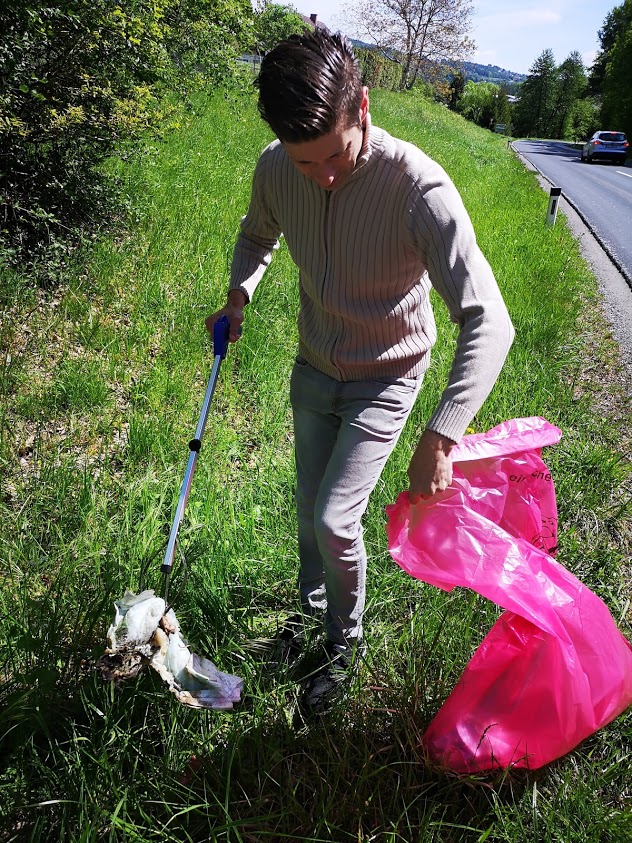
[102, 383]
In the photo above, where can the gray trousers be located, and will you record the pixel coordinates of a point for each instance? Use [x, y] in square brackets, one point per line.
[344, 433]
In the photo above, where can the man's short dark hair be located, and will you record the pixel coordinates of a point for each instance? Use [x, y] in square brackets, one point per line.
[308, 85]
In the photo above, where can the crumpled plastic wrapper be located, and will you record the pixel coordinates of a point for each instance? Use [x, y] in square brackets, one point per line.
[142, 633]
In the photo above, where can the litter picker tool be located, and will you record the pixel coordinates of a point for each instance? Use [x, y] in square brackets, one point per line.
[220, 344]
[145, 630]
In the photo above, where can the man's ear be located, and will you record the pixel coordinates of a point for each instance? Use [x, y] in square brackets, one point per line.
[364, 105]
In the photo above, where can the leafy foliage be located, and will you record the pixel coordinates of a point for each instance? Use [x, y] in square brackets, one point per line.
[583, 119]
[571, 87]
[457, 86]
[617, 21]
[553, 100]
[377, 70]
[273, 23]
[203, 37]
[617, 83]
[485, 104]
[79, 79]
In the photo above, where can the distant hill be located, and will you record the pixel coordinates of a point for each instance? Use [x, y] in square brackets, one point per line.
[477, 72]
[491, 73]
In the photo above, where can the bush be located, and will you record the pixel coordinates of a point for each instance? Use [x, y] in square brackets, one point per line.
[78, 78]
[377, 70]
[273, 23]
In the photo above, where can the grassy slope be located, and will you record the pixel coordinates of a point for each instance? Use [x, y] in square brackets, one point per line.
[102, 383]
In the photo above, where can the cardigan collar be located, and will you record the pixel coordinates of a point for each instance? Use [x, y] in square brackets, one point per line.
[370, 149]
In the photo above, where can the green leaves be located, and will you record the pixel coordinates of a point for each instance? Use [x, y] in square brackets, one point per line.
[617, 96]
[273, 23]
[550, 97]
[81, 79]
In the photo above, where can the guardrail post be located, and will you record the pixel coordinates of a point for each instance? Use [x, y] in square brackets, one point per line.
[554, 201]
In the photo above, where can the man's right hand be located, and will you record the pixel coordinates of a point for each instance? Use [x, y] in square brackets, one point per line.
[234, 309]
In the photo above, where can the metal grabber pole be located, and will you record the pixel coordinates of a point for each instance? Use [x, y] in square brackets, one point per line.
[220, 344]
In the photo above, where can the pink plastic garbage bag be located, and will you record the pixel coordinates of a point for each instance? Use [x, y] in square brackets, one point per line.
[554, 668]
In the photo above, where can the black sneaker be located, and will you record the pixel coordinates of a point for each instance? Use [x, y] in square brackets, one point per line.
[329, 680]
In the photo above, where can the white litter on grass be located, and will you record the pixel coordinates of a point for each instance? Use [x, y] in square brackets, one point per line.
[143, 634]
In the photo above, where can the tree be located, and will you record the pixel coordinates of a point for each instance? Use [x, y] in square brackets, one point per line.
[377, 70]
[273, 23]
[571, 86]
[503, 110]
[583, 119]
[486, 104]
[457, 86]
[417, 34]
[616, 22]
[617, 85]
[476, 103]
[533, 113]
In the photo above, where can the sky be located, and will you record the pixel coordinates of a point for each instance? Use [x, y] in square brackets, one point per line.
[511, 33]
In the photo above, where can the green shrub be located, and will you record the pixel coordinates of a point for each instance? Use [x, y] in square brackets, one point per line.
[273, 23]
[79, 78]
[377, 70]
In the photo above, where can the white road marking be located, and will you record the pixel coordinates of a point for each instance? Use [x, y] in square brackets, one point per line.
[621, 173]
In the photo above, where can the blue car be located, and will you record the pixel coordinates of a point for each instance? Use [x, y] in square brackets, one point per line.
[612, 146]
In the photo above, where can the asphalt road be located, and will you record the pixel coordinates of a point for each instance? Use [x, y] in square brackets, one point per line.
[600, 192]
[597, 201]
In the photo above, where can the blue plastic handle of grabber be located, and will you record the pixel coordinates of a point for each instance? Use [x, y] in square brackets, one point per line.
[221, 330]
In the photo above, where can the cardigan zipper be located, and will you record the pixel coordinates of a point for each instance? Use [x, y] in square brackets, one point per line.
[326, 240]
[326, 244]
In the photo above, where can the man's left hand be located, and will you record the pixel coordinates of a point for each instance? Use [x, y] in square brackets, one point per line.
[430, 469]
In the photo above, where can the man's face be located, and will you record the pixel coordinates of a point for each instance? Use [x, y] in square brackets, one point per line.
[330, 159]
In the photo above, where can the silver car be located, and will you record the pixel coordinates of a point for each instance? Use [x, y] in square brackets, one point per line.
[611, 146]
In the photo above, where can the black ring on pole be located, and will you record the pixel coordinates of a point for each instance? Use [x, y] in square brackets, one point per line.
[195, 445]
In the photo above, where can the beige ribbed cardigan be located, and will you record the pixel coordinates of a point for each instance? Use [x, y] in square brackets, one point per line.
[367, 255]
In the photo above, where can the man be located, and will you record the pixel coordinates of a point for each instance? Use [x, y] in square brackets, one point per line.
[371, 223]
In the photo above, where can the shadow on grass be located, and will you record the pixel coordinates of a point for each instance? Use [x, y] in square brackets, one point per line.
[353, 775]
[132, 764]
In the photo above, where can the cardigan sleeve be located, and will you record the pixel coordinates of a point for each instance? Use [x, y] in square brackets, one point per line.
[259, 232]
[463, 278]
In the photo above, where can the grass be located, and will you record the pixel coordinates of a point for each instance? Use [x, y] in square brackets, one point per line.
[102, 382]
